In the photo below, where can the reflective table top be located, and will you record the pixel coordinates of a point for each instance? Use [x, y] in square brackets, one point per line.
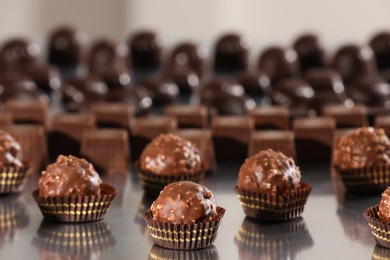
[331, 227]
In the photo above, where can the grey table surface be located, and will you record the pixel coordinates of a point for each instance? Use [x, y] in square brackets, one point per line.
[331, 227]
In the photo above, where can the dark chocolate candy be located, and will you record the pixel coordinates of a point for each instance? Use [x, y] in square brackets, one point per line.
[254, 83]
[47, 78]
[146, 50]
[107, 53]
[311, 51]
[114, 78]
[380, 44]
[162, 90]
[18, 54]
[293, 93]
[324, 80]
[185, 78]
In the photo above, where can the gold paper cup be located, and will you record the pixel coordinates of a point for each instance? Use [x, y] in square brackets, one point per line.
[183, 236]
[154, 183]
[160, 253]
[76, 208]
[379, 229]
[372, 179]
[267, 207]
[12, 179]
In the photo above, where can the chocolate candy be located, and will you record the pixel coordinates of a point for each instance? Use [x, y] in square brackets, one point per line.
[323, 99]
[188, 116]
[269, 172]
[184, 203]
[107, 53]
[114, 78]
[186, 79]
[79, 92]
[363, 148]
[169, 154]
[310, 51]
[347, 117]
[293, 93]
[254, 83]
[352, 61]
[67, 47]
[191, 56]
[69, 176]
[278, 63]
[231, 53]
[380, 44]
[384, 206]
[18, 54]
[162, 90]
[145, 49]
[274, 117]
[47, 78]
[324, 80]
[10, 153]
[138, 97]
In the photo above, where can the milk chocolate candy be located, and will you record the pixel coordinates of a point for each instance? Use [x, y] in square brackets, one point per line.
[277, 140]
[18, 54]
[274, 117]
[231, 135]
[147, 128]
[113, 115]
[107, 53]
[311, 52]
[107, 149]
[380, 44]
[352, 61]
[278, 63]
[347, 117]
[162, 89]
[145, 50]
[66, 131]
[255, 82]
[314, 138]
[27, 112]
[188, 116]
[383, 122]
[5, 119]
[231, 53]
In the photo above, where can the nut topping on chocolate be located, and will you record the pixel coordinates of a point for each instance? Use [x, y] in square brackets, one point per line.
[184, 202]
[384, 206]
[269, 172]
[69, 176]
[9, 151]
[365, 147]
[169, 154]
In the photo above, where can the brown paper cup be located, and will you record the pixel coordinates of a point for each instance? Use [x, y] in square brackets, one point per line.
[12, 179]
[76, 208]
[263, 206]
[160, 253]
[154, 183]
[373, 179]
[183, 236]
[379, 229]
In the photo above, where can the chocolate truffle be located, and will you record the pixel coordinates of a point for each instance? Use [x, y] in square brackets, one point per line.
[18, 54]
[365, 147]
[293, 93]
[384, 206]
[67, 47]
[352, 61]
[279, 63]
[145, 50]
[47, 78]
[168, 154]
[184, 202]
[269, 172]
[191, 56]
[107, 53]
[69, 176]
[162, 89]
[324, 80]
[231, 53]
[254, 83]
[185, 78]
[310, 51]
[10, 153]
[114, 78]
[380, 45]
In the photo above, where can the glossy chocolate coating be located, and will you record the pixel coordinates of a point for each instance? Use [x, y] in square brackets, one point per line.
[145, 49]
[380, 44]
[370, 90]
[10, 153]
[279, 63]
[168, 154]
[219, 86]
[189, 55]
[18, 54]
[269, 172]
[69, 176]
[47, 78]
[107, 53]
[365, 147]
[232, 105]
[294, 93]
[328, 98]
[352, 61]
[184, 202]
[254, 83]
[162, 89]
[231, 53]
[310, 51]
[79, 92]
[384, 206]
[324, 80]
[138, 97]
[67, 47]
[185, 78]
[114, 78]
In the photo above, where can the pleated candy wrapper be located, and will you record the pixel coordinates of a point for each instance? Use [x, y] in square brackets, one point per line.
[159, 253]
[379, 228]
[371, 179]
[183, 236]
[12, 179]
[154, 183]
[263, 206]
[76, 208]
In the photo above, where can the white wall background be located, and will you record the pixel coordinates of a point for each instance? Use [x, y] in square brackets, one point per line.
[264, 21]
